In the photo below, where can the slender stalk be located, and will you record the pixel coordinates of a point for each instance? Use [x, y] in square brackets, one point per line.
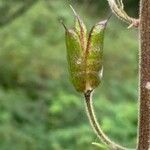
[144, 118]
[94, 123]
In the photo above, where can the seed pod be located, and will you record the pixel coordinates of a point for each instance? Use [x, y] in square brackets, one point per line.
[85, 55]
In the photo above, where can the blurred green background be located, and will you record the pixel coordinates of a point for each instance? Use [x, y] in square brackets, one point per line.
[39, 108]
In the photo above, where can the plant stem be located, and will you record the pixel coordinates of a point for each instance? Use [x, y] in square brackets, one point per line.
[95, 125]
[144, 118]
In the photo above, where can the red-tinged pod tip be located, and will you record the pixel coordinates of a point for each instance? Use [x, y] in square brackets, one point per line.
[61, 21]
[103, 23]
[75, 13]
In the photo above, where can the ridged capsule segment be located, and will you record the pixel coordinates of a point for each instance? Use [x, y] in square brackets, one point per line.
[75, 60]
[80, 29]
[94, 58]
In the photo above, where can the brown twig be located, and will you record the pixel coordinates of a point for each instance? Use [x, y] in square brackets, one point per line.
[144, 118]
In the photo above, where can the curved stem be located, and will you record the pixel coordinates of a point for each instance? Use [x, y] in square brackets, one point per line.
[95, 125]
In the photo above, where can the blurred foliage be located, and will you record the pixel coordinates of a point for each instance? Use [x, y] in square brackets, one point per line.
[11, 9]
[39, 109]
[96, 6]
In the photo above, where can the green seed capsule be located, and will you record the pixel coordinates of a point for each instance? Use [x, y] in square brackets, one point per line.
[85, 54]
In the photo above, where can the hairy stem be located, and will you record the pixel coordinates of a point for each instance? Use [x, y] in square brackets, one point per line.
[95, 125]
[144, 118]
